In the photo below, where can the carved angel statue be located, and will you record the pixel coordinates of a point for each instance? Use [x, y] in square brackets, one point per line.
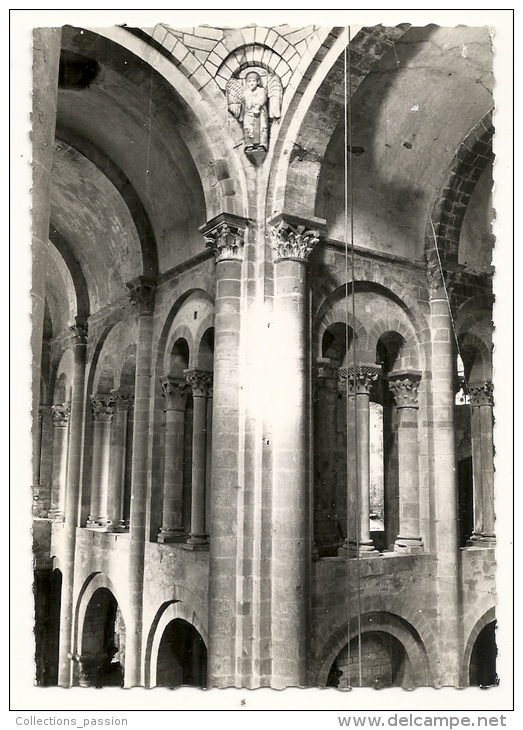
[254, 104]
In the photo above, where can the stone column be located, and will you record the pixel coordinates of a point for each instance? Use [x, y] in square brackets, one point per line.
[481, 417]
[72, 501]
[175, 391]
[38, 445]
[359, 382]
[225, 234]
[291, 539]
[208, 458]
[142, 293]
[445, 482]
[46, 55]
[122, 399]
[404, 387]
[59, 474]
[103, 410]
[200, 382]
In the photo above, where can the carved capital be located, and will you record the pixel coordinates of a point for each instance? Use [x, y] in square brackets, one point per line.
[200, 381]
[225, 235]
[103, 406]
[61, 414]
[123, 398]
[481, 394]
[79, 331]
[359, 381]
[142, 292]
[404, 387]
[294, 242]
[175, 391]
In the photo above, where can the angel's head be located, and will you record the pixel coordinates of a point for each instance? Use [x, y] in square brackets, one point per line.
[253, 80]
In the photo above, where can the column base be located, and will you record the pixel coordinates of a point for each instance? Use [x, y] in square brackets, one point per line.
[488, 539]
[365, 549]
[197, 543]
[474, 540]
[410, 545]
[170, 536]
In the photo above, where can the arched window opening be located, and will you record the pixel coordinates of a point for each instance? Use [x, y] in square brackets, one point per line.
[384, 663]
[187, 465]
[462, 397]
[47, 589]
[336, 343]
[179, 358]
[482, 670]
[330, 455]
[182, 657]
[101, 663]
[206, 352]
[377, 493]
[119, 507]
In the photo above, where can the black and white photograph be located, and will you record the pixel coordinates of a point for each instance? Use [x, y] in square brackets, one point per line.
[267, 287]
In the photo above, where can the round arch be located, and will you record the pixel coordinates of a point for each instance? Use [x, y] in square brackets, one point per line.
[387, 288]
[382, 622]
[166, 341]
[172, 609]
[208, 143]
[487, 618]
[92, 583]
[181, 332]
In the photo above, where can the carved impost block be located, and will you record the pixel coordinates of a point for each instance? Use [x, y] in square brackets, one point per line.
[199, 380]
[175, 391]
[225, 235]
[103, 406]
[358, 380]
[61, 414]
[441, 280]
[79, 331]
[293, 242]
[404, 387]
[481, 394]
[142, 292]
[123, 398]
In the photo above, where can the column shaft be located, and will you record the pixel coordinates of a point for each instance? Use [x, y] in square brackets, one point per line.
[72, 505]
[290, 547]
[198, 536]
[103, 416]
[59, 473]
[225, 476]
[477, 474]
[116, 502]
[358, 380]
[363, 447]
[404, 386]
[142, 293]
[481, 402]
[172, 511]
[445, 489]
[488, 534]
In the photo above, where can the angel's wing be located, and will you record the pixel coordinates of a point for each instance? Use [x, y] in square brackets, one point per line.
[234, 91]
[275, 94]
